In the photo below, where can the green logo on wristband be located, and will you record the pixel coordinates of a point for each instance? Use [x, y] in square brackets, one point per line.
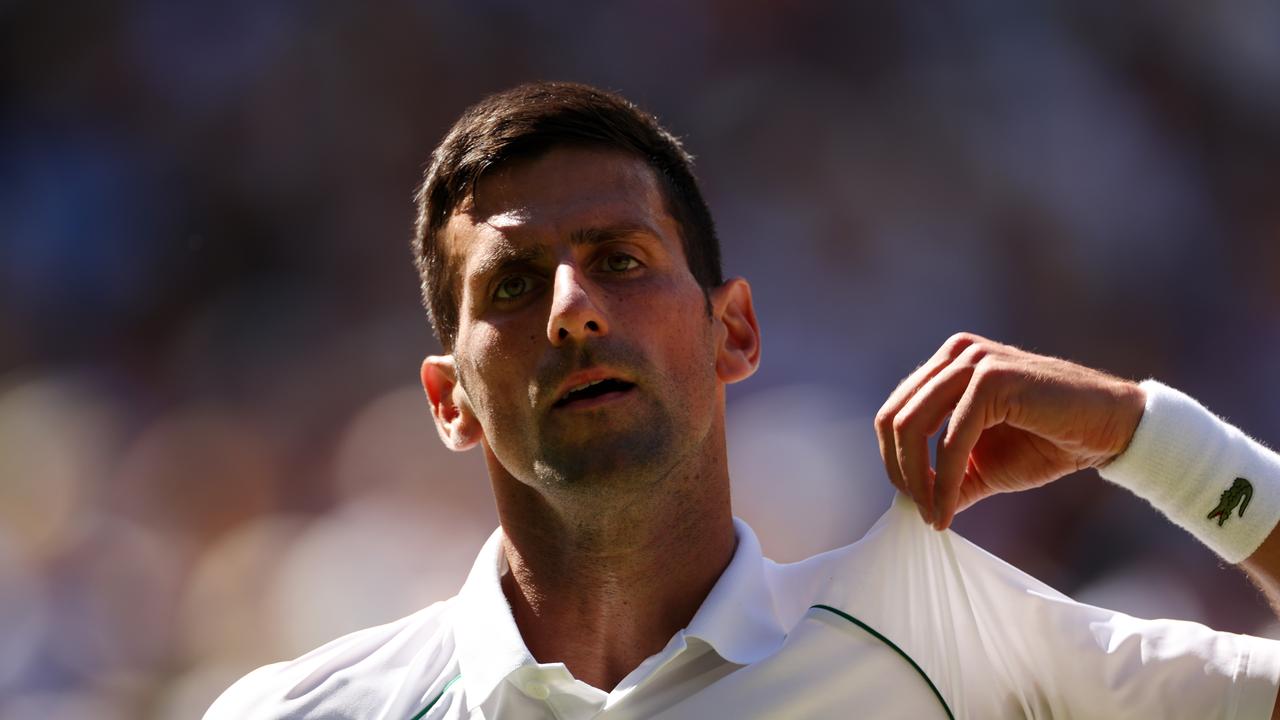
[1240, 493]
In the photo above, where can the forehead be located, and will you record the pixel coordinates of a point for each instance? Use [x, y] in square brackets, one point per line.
[551, 197]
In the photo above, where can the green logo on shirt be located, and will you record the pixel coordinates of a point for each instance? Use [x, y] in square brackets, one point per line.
[1240, 493]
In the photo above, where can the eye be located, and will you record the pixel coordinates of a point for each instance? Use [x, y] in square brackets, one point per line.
[512, 287]
[619, 262]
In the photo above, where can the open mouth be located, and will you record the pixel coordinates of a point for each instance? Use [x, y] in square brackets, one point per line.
[593, 390]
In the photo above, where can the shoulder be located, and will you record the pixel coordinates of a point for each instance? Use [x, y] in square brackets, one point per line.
[898, 564]
[943, 604]
[903, 557]
[996, 641]
[352, 676]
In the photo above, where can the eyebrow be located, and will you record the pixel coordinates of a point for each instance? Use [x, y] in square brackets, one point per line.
[506, 255]
[596, 236]
[501, 257]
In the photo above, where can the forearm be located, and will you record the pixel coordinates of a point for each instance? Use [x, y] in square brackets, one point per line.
[1263, 568]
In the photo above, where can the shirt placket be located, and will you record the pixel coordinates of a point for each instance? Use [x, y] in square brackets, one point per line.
[554, 690]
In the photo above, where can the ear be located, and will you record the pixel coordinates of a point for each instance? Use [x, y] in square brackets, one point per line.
[738, 353]
[455, 420]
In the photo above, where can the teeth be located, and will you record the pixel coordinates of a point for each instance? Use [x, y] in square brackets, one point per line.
[583, 386]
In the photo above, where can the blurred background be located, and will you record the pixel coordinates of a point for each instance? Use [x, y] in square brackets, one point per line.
[214, 451]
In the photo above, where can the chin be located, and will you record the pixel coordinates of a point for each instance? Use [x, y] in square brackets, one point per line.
[635, 459]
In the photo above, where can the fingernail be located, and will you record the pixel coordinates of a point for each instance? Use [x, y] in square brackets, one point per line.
[924, 514]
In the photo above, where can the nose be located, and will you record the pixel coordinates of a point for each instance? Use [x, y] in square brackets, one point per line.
[574, 315]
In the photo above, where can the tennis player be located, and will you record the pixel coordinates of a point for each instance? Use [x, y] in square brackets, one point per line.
[572, 274]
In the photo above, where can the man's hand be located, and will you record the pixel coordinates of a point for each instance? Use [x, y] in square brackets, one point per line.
[1018, 421]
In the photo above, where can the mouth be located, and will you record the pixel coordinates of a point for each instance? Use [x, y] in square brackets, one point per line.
[593, 393]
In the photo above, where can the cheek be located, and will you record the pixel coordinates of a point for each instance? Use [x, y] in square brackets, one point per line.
[477, 365]
[688, 335]
[495, 367]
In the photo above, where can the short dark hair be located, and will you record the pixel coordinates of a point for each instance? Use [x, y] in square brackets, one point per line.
[526, 121]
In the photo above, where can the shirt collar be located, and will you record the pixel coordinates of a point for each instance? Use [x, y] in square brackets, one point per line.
[489, 645]
[737, 619]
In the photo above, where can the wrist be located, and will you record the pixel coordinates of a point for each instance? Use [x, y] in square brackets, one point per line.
[1130, 406]
[1204, 474]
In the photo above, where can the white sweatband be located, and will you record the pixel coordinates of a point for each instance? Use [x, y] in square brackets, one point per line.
[1204, 474]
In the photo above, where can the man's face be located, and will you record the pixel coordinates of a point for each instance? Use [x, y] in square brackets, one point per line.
[572, 272]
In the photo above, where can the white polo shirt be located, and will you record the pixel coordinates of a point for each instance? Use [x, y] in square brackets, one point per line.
[905, 623]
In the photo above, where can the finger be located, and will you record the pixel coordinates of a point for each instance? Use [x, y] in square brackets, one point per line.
[972, 416]
[950, 350]
[922, 416]
[889, 455]
[911, 445]
[972, 489]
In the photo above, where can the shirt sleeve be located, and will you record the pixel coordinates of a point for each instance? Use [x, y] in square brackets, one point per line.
[377, 673]
[1072, 660]
[1000, 644]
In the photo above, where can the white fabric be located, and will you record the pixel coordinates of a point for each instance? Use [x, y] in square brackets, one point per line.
[996, 642]
[1182, 459]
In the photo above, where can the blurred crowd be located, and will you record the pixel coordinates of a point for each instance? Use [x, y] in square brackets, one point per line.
[214, 452]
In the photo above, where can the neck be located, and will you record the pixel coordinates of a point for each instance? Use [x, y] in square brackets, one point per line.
[601, 589]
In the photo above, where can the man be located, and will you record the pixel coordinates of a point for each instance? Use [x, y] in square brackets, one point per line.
[571, 272]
